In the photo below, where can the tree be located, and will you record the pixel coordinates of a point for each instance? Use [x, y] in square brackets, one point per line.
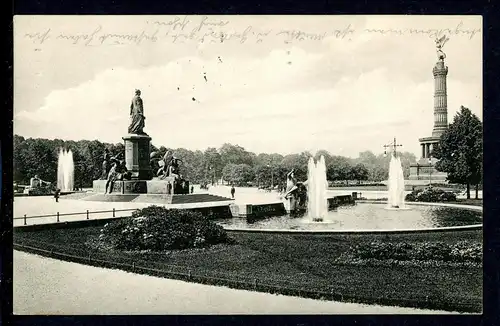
[359, 172]
[339, 169]
[238, 174]
[460, 150]
[235, 154]
[407, 159]
[298, 162]
[212, 164]
[326, 155]
[19, 173]
[267, 169]
[264, 174]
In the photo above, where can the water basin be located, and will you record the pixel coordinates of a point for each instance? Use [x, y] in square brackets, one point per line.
[367, 216]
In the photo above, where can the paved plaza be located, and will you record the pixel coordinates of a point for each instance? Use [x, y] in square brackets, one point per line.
[46, 205]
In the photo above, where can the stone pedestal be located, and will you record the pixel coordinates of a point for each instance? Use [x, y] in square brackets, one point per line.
[154, 187]
[137, 152]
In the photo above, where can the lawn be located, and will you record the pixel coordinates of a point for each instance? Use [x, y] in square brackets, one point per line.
[471, 201]
[301, 262]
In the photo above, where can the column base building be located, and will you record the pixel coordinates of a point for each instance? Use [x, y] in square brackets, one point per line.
[424, 171]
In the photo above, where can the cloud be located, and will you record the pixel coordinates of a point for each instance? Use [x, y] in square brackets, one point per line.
[344, 99]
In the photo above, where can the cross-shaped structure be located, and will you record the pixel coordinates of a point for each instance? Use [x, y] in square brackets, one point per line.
[394, 145]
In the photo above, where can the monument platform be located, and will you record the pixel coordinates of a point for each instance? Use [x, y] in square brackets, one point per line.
[151, 191]
[154, 186]
[426, 172]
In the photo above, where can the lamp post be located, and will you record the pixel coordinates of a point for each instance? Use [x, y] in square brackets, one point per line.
[211, 174]
[393, 145]
[430, 171]
[272, 176]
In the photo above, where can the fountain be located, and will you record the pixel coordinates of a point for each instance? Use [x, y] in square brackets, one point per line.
[317, 204]
[65, 170]
[396, 182]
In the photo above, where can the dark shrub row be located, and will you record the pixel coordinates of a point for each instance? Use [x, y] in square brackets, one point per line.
[463, 251]
[431, 195]
[156, 228]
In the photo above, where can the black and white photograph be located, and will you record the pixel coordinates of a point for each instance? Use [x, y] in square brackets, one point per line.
[247, 164]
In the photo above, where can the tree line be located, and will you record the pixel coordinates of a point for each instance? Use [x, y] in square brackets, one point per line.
[460, 154]
[231, 163]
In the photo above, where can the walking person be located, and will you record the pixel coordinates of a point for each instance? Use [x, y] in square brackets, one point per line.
[57, 193]
[232, 191]
[192, 189]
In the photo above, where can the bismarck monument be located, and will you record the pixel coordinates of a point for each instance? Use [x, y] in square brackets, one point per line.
[137, 142]
[425, 169]
[134, 174]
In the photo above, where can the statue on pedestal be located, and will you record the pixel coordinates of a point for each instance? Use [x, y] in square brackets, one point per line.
[439, 47]
[38, 186]
[164, 164]
[118, 172]
[295, 193]
[137, 117]
[173, 167]
[169, 166]
[291, 183]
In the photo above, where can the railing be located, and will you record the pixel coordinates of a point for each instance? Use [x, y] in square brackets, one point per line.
[87, 213]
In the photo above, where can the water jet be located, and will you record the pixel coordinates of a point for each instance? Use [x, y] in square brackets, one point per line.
[65, 170]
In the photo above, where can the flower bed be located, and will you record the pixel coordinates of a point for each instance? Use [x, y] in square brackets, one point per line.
[431, 195]
[156, 228]
[463, 253]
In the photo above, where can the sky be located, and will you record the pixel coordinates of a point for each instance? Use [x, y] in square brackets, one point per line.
[283, 84]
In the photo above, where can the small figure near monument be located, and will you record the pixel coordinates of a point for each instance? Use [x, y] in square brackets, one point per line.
[173, 169]
[112, 177]
[291, 182]
[169, 188]
[295, 193]
[192, 189]
[35, 182]
[106, 164]
[123, 172]
[118, 172]
[38, 187]
[137, 118]
[165, 163]
[232, 191]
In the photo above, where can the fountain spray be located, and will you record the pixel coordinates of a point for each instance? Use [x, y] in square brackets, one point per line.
[65, 170]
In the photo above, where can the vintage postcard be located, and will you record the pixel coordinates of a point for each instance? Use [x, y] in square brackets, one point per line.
[248, 165]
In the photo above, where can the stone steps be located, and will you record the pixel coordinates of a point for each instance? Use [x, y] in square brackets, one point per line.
[156, 198]
[111, 198]
[197, 198]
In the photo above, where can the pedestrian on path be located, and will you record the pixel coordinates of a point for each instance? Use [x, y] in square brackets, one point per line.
[57, 193]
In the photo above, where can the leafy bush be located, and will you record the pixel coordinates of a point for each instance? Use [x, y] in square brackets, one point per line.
[431, 195]
[156, 228]
[421, 251]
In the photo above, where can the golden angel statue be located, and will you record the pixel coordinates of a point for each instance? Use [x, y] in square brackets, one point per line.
[439, 46]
